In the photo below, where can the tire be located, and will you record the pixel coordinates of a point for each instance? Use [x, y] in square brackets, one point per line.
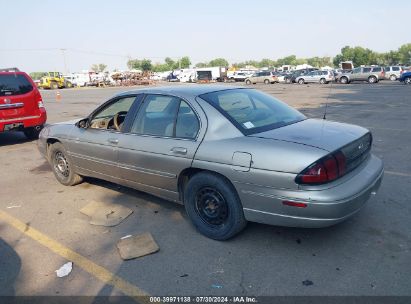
[247, 81]
[301, 81]
[213, 206]
[287, 80]
[372, 79]
[407, 80]
[344, 80]
[393, 78]
[53, 86]
[266, 81]
[69, 85]
[323, 81]
[32, 133]
[61, 166]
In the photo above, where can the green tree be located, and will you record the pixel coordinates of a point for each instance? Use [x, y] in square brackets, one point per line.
[146, 65]
[36, 75]
[134, 64]
[218, 62]
[358, 55]
[201, 65]
[404, 53]
[185, 62]
[170, 62]
[102, 67]
[266, 63]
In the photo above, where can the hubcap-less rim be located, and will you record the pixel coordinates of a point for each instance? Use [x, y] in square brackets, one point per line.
[211, 206]
[61, 165]
[408, 80]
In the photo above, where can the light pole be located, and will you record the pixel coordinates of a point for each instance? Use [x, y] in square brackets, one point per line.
[63, 51]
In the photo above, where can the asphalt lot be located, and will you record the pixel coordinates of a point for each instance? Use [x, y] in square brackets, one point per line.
[367, 255]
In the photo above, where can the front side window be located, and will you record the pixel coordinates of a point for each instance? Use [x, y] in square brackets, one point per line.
[356, 70]
[252, 111]
[112, 116]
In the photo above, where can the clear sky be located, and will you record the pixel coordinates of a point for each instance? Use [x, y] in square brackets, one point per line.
[33, 32]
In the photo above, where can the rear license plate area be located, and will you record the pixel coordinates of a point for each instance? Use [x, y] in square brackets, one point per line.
[17, 125]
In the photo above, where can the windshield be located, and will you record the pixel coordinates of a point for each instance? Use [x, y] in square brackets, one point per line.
[252, 111]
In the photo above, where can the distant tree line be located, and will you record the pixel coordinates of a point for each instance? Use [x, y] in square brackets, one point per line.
[363, 56]
[358, 55]
[168, 65]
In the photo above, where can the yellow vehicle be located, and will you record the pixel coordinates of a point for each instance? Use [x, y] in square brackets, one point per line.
[54, 80]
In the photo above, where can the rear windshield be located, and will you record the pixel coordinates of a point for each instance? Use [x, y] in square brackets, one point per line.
[252, 111]
[14, 84]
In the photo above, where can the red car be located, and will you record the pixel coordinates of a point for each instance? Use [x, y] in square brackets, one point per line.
[21, 105]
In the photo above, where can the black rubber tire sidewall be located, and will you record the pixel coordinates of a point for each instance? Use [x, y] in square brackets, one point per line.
[235, 221]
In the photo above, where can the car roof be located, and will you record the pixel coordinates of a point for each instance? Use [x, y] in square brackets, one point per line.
[181, 90]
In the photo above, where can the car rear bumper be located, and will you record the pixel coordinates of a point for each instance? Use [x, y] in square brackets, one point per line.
[37, 119]
[324, 207]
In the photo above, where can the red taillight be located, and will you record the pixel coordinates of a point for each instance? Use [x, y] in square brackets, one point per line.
[325, 170]
[295, 204]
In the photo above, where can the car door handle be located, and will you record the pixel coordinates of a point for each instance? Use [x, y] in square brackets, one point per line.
[113, 141]
[179, 150]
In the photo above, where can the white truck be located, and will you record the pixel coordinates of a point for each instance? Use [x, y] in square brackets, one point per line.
[212, 74]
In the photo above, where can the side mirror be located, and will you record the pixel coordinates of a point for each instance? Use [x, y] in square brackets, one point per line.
[84, 123]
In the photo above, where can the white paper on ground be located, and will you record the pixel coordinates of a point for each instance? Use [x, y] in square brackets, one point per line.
[64, 270]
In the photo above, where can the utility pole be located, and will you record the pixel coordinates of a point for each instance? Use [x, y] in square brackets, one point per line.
[63, 52]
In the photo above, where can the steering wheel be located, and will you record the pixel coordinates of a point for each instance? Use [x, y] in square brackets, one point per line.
[115, 120]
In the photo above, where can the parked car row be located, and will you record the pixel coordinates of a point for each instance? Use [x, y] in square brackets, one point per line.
[370, 74]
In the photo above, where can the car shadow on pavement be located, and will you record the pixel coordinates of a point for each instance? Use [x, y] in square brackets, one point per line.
[10, 265]
[13, 138]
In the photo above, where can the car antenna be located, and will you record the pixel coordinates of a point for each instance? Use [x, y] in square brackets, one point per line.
[326, 101]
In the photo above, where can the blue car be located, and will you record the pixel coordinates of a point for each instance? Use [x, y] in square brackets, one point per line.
[406, 77]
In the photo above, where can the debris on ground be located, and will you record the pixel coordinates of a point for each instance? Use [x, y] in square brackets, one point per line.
[64, 270]
[216, 286]
[136, 246]
[184, 275]
[308, 283]
[15, 206]
[298, 241]
[105, 214]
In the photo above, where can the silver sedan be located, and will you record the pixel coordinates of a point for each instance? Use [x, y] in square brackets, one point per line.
[230, 155]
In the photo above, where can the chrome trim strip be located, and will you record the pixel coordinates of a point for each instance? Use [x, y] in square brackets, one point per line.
[19, 118]
[12, 105]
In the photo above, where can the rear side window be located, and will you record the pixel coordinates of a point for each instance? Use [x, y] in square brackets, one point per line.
[187, 123]
[366, 70]
[395, 68]
[14, 84]
[376, 69]
[156, 116]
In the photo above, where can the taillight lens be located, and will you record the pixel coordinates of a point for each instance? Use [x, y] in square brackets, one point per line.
[325, 170]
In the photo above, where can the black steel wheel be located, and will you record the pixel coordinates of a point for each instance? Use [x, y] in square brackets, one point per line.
[213, 206]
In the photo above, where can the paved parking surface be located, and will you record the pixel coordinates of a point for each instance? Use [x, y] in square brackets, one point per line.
[41, 227]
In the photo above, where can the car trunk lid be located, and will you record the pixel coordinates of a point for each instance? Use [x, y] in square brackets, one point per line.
[353, 141]
[323, 134]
